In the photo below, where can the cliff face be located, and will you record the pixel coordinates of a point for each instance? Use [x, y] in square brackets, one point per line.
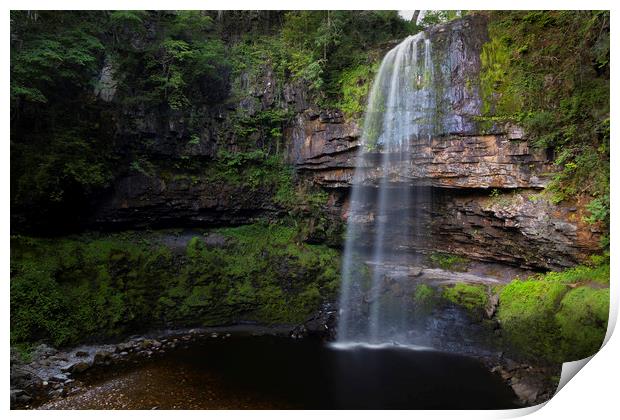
[485, 179]
[328, 151]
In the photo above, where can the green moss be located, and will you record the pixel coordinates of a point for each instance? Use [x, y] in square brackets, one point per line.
[558, 316]
[73, 289]
[548, 71]
[448, 261]
[526, 313]
[498, 95]
[355, 84]
[424, 300]
[597, 271]
[194, 247]
[582, 319]
[423, 294]
[473, 297]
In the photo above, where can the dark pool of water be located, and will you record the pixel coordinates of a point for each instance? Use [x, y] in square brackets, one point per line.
[274, 373]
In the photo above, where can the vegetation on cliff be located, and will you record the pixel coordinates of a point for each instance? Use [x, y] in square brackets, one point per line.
[473, 297]
[549, 71]
[94, 286]
[555, 317]
[559, 316]
[69, 143]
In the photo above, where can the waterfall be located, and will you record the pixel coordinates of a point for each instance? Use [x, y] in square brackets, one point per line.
[400, 116]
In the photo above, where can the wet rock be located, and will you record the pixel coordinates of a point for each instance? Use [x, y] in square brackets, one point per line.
[56, 393]
[415, 271]
[124, 347]
[42, 351]
[526, 390]
[321, 325]
[145, 344]
[106, 86]
[216, 240]
[492, 305]
[102, 358]
[81, 353]
[58, 378]
[76, 367]
[15, 393]
[475, 225]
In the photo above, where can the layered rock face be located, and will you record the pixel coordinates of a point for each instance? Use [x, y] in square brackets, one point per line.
[462, 164]
[477, 186]
[328, 152]
[519, 228]
[140, 200]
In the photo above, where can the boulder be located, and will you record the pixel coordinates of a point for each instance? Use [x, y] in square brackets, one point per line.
[76, 367]
[102, 358]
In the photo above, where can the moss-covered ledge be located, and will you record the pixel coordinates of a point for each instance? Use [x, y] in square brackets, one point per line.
[98, 286]
[553, 317]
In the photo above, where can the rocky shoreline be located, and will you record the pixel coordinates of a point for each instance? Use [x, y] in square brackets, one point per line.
[54, 374]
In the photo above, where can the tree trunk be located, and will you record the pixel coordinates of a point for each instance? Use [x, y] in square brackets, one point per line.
[414, 18]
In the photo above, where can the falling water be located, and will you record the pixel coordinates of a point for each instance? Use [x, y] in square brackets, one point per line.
[399, 118]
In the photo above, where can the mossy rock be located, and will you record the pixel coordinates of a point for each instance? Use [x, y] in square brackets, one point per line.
[72, 289]
[558, 316]
[526, 315]
[448, 261]
[582, 319]
[424, 299]
[473, 297]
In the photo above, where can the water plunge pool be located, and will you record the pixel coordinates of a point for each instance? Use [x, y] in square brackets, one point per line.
[268, 372]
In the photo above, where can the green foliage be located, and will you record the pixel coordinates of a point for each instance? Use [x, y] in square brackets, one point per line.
[448, 261]
[46, 173]
[326, 44]
[184, 66]
[51, 53]
[434, 17]
[93, 287]
[549, 72]
[63, 139]
[254, 170]
[355, 84]
[473, 297]
[69, 289]
[60, 144]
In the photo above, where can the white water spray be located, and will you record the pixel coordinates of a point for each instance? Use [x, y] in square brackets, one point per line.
[400, 116]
